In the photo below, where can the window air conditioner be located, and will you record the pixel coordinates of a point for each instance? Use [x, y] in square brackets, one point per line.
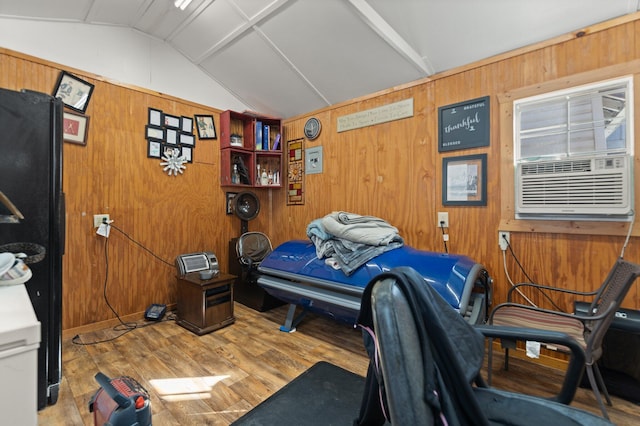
[581, 188]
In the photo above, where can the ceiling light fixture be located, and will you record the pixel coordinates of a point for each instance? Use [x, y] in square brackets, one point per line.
[182, 4]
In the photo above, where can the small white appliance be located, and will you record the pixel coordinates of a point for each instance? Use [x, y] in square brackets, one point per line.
[19, 343]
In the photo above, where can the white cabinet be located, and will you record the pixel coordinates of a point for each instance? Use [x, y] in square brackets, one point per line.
[19, 342]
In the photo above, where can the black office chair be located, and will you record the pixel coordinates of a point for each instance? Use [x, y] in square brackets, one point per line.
[426, 360]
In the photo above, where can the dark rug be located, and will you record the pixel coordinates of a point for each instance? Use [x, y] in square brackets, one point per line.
[324, 395]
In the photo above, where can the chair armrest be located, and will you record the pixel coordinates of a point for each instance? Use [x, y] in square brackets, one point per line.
[550, 288]
[575, 368]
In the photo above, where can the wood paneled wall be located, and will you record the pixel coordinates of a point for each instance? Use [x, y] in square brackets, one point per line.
[112, 174]
[390, 170]
[393, 170]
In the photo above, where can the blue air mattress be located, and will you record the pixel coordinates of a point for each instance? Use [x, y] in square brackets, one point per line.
[293, 273]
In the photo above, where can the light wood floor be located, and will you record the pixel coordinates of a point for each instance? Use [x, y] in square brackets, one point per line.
[216, 378]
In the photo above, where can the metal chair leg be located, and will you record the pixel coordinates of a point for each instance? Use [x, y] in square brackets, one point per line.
[601, 384]
[596, 391]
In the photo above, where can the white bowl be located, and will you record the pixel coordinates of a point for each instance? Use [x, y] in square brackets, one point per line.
[6, 262]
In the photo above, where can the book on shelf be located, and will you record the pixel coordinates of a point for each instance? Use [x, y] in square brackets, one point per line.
[276, 143]
[265, 137]
[259, 135]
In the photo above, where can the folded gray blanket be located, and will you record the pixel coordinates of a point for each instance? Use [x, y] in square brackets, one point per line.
[360, 229]
[351, 239]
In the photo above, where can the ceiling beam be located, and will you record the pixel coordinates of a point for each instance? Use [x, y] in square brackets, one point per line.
[189, 19]
[388, 34]
[251, 21]
[291, 65]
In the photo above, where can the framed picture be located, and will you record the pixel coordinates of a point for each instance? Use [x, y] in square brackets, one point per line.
[187, 139]
[75, 127]
[154, 148]
[464, 180]
[171, 121]
[73, 91]
[186, 124]
[187, 153]
[464, 125]
[295, 172]
[155, 117]
[154, 132]
[171, 136]
[230, 197]
[206, 127]
[169, 149]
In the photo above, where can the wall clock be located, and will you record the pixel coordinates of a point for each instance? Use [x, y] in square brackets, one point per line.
[312, 128]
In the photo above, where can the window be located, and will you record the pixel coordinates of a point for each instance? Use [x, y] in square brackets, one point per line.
[573, 152]
[585, 120]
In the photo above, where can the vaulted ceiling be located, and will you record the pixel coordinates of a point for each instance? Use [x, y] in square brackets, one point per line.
[289, 57]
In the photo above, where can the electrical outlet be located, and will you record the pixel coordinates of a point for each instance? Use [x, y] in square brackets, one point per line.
[99, 219]
[504, 239]
[443, 220]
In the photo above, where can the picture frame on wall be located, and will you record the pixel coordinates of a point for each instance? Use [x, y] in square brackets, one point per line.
[169, 150]
[229, 200]
[205, 126]
[171, 136]
[464, 125]
[154, 148]
[187, 153]
[187, 139]
[171, 121]
[74, 92]
[75, 128]
[186, 124]
[155, 117]
[153, 132]
[464, 180]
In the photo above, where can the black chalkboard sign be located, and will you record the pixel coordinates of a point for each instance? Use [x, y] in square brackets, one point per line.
[463, 125]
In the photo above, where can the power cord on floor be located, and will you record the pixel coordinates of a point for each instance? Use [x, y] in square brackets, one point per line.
[76, 339]
[125, 327]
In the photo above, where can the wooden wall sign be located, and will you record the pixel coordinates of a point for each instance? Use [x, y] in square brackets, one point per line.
[382, 114]
[463, 125]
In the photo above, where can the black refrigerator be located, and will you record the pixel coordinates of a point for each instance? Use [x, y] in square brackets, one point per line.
[31, 177]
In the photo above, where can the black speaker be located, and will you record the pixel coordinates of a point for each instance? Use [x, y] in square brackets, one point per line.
[246, 206]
